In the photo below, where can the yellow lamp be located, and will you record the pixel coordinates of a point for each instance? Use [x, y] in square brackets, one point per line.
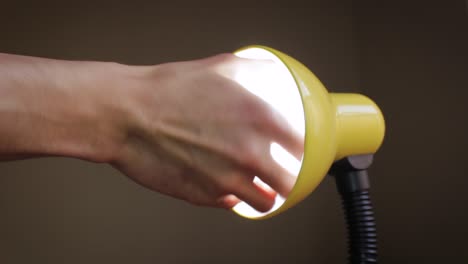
[334, 125]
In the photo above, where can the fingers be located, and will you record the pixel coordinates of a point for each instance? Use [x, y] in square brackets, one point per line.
[246, 64]
[253, 194]
[228, 201]
[283, 133]
[228, 65]
[264, 188]
[277, 177]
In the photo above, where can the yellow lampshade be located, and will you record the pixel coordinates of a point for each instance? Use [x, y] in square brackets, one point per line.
[334, 125]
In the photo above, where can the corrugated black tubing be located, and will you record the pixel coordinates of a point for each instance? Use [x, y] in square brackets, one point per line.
[362, 231]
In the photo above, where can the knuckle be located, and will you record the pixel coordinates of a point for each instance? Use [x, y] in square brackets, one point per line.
[268, 116]
[250, 156]
[221, 58]
[224, 186]
[258, 113]
[255, 153]
[232, 183]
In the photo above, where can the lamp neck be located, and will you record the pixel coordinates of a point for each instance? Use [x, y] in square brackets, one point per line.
[360, 125]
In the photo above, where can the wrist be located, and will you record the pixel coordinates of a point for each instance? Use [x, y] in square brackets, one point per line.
[118, 95]
[102, 112]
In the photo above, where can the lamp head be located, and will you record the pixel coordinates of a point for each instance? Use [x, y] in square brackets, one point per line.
[333, 125]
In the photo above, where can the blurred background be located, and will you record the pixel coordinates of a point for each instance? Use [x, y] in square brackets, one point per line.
[412, 59]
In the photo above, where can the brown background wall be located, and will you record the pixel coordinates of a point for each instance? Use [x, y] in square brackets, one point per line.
[411, 60]
[414, 62]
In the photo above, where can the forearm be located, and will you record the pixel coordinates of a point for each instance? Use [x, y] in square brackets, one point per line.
[58, 108]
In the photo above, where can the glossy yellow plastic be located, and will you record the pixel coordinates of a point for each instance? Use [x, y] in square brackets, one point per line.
[337, 125]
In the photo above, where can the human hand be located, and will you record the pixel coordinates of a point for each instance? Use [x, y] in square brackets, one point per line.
[196, 135]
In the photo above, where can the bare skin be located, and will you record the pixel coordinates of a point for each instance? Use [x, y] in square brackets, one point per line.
[184, 129]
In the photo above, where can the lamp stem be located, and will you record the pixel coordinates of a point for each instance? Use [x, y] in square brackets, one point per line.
[352, 182]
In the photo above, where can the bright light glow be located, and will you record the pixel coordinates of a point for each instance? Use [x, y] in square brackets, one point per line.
[273, 83]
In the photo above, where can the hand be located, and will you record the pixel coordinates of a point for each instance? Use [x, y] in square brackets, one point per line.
[196, 135]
